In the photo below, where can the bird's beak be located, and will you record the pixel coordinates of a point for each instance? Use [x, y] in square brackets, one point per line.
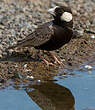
[52, 11]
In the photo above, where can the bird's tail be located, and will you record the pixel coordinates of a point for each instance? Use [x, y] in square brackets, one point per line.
[12, 47]
[18, 45]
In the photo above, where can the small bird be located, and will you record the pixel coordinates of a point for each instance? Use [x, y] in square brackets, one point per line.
[51, 35]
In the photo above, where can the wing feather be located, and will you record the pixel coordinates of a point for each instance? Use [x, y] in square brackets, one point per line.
[40, 36]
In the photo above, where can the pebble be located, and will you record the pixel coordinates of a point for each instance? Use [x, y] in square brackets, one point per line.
[0, 56]
[2, 80]
[4, 53]
[10, 51]
[15, 17]
[27, 70]
[30, 78]
[18, 75]
[88, 67]
[16, 65]
[79, 32]
[38, 81]
[93, 36]
[0, 51]
[25, 66]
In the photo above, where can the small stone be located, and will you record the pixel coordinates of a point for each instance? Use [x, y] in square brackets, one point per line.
[4, 53]
[93, 36]
[0, 56]
[2, 80]
[13, 32]
[74, 12]
[34, 26]
[27, 70]
[88, 67]
[17, 75]
[30, 78]
[10, 51]
[80, 32]
[39, 81]
[25, 66]
[16, 65]
[0, 52]
[1, 46]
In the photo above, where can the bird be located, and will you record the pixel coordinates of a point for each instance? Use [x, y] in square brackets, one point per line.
[51, 35]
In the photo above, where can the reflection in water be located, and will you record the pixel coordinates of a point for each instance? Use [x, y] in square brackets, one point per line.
[51, 96]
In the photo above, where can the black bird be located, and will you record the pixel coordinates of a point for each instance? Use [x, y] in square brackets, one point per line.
[51, 35]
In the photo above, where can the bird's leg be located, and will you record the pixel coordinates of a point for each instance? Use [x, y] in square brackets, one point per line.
[44, 60]
[55, 59]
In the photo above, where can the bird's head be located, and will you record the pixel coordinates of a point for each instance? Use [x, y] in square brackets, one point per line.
[61, 14]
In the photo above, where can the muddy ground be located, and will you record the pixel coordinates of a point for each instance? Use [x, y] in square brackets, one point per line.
[23, 65]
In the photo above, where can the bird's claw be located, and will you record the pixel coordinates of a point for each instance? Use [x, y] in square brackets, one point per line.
[48, 63]
[58, 62]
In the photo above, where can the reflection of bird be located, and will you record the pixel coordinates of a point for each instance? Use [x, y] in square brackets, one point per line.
[51, 96]
[51, 35]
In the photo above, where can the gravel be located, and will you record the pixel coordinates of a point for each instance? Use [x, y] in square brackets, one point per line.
[23, 16]
[18, 18]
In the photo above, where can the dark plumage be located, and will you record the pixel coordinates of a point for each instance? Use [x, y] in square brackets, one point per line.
[58, 37]
[51, 35]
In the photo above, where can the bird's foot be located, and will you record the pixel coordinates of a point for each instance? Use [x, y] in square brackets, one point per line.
[56, 61]
[45, 61]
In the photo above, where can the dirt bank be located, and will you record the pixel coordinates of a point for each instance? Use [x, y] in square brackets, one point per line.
[17, 18]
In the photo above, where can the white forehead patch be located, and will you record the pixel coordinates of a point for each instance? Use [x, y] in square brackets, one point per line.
[52, 10]
[66, 16]
[55, 7]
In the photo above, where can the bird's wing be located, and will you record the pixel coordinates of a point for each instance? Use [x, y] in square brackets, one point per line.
[41, 35]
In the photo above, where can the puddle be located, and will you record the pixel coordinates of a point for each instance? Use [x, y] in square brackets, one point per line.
[74, 91]
[82, 86]
[16, 100]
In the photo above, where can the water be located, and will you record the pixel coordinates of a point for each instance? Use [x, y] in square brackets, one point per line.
[82, 87]
[16, 100]
[71, 92]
